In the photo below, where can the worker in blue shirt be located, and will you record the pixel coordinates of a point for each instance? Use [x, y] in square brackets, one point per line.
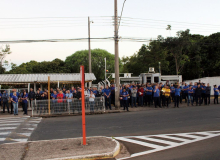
[190, 95]
[5, 98]
[177, 96]
[149, 91]
[156, 97]
[172, 89]
[107, 94]
[11, 95]
[24, 99]
[216, 94]
[185, 92]
[194, 89]
[125, 95]
[203, 92]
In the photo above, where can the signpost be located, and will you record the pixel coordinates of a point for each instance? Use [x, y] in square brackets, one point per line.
[82, 75]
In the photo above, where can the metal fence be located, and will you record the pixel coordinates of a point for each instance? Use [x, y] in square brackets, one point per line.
[67, 106]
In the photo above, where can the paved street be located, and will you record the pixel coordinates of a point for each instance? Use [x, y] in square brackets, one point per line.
[166, 130]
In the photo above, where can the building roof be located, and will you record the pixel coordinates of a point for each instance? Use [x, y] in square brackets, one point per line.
[43, 78]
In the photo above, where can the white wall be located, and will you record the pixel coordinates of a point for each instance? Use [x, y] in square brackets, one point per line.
[211, 80]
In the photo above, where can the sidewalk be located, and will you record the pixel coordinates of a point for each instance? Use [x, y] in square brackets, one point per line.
[134, 109]
[98, 147]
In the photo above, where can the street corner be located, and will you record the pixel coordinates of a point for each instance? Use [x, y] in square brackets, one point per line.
[65, 149]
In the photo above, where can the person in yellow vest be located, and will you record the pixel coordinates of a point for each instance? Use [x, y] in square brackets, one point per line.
[163, 96]
[167, 95]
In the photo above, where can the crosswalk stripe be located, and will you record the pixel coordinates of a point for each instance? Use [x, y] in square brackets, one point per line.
[140, 143]
[28, 129]
[157, 140]
[14, 118]
[2, 139]
[10, 124]
[11, 121]
[4, 133]
[25, 134]
[20, 140]
[5, 128]
[172, 138]
[167, 137]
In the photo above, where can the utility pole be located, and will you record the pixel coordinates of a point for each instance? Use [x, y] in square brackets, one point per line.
[90, 61]
[117, 87]
[105, 71]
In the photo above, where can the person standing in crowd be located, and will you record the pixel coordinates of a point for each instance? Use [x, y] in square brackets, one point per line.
[163, 98]
[207, 96]
[69, 97]
[167, 95]
[79, 97]
[125, 95]
[31, 95]
[91, 101]
[157, 97]
[140, 95]
[5, 98]
[113, 94]
[0, 99]
[134, 96]
[177, 96]
[184, 92]
[107, 94]
[60, 101]
[198, 93]
[24, 99]
[216, 94]
[129, 92]
[172, 88]
[51, 93]
[11, 95]
[190, 95]
[149, 94]
[41, 92]
[194, 90]
[14, 100]
[38, 95]
[203, 92]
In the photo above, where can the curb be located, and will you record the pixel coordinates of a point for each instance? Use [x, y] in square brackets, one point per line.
[112, 154]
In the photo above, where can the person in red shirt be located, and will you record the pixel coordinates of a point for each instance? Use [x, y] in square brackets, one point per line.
[59, 101]
[140, 95]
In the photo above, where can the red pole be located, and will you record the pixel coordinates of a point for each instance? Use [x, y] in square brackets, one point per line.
[83, 104]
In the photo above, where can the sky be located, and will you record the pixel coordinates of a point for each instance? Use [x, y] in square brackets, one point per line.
[68, 19]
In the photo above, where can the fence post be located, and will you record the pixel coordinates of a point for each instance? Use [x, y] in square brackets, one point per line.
[49, 94]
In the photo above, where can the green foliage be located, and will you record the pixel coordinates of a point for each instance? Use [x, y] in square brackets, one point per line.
[193, 56]
[73, 62]
[4, 51]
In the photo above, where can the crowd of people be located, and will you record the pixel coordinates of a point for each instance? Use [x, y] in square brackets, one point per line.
[157, 94]
[161, 95]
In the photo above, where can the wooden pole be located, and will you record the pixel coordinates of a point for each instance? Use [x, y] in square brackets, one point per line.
[49, 95]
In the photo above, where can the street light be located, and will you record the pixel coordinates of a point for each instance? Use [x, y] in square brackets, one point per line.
[90, 61]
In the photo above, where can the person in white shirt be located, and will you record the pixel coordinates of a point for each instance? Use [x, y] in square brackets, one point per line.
[91, 101]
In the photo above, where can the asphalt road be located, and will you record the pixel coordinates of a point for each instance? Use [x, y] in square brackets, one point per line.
[150, 122]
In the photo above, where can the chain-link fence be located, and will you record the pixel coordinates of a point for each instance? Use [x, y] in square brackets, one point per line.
[67, 106]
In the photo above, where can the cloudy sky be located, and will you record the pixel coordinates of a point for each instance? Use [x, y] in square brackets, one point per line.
[68, 19]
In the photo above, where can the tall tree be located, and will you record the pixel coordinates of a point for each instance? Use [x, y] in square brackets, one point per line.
[4, 51]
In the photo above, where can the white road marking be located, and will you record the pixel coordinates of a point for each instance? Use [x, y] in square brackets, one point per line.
[196, 138]
[140, 143]
[157, 140]
[10, 124]
[6, 128]
[4, 133]
[25, 134]
[2, 139]
[31, 129]
[11, 121]
[20, 140]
